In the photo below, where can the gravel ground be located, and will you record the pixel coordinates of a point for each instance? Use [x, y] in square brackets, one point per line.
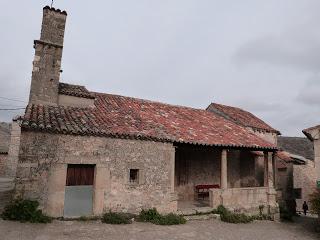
[207, 229]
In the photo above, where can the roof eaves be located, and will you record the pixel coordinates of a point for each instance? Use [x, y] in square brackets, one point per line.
[146, 138]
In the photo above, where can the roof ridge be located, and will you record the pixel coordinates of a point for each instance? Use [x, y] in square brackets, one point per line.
[239, 121]
[150, 101]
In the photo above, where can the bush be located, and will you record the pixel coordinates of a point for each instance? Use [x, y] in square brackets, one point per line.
[236, 218]
[117, 218]
[24, 211]
[220, 210]
[152, 215]
[315, 202]
[148, 215]
[169, 219]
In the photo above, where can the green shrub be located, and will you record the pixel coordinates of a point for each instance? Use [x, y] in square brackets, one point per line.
[221, 210]
[24, 211]
[315, 202]
[148, 215]
[261, 207]
[152, 215]
[169, 219]
[117, 218]
[236, 218]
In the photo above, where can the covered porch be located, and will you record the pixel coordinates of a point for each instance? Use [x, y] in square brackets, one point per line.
[241, 179]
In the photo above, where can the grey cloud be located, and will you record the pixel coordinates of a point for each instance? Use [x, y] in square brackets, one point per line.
[310, 93]
[179, 52]
[297, 47]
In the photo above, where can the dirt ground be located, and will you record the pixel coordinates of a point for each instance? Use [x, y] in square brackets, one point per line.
[206, 229]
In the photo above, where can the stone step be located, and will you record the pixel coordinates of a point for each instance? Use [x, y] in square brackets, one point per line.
[202, 217]
[195, 210]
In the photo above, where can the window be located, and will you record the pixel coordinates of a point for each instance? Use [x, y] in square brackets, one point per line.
[282, 169]
[297, 193]
[134, 176]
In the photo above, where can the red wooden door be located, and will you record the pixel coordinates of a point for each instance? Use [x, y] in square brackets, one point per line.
[80, 175]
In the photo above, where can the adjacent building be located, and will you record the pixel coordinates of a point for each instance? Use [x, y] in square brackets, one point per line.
[4, 145]
[297, 177]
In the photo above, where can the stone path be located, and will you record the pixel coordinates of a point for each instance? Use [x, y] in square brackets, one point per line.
[209, 229]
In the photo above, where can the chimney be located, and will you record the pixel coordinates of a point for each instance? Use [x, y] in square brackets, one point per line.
[47, 59]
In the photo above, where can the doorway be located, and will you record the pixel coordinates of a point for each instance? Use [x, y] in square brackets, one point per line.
[79, 190]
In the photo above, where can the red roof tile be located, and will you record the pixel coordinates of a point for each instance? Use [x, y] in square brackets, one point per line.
[241, 117]
[74, 90]
[285, 156]
[126, 117]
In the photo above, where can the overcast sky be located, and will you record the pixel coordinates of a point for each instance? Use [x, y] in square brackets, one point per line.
[263, 56]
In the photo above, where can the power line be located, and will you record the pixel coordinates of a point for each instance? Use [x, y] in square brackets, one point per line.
[10, 109]
[14, 100]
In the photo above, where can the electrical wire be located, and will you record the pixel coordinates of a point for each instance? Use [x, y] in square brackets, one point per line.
[11, 99]
[10, 109]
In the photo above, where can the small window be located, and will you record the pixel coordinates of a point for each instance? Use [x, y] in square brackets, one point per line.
[282, 169]
[297, 193]
[134, 176]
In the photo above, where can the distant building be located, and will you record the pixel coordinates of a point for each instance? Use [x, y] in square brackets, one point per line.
[300, 173]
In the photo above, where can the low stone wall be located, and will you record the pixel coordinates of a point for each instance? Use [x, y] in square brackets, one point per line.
[245, 200]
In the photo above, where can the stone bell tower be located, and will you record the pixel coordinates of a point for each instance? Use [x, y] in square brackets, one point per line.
[47, 59]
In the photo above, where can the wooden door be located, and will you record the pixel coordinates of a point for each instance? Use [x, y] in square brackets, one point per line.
[79, 190]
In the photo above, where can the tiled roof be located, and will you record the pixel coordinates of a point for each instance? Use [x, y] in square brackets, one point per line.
[241, 117]
[297, 145]
[125, 117]
[284, 156]
[307, 132]
[74, 90]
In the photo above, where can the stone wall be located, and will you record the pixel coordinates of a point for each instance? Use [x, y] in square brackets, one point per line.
[13, 154]
[305, 178]
[284, 183]
[195, 166]
[267, 136]
[43, 159]
[245, 200]
[317, 157]
[71, 101]
[3, 161]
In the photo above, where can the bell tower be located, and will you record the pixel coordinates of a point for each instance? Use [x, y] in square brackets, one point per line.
[47, 59]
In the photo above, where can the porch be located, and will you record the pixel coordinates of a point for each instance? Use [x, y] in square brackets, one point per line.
[243, 179]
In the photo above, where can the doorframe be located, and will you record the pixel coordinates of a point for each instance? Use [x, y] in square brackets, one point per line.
[54, 205]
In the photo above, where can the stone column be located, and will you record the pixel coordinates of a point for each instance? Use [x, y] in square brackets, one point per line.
[268, 169]
[102, 180]
[56, 190]
[224, 170]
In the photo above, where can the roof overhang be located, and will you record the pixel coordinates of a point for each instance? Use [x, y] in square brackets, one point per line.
[312, 133]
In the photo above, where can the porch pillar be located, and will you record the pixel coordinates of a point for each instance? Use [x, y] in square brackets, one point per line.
[224, 170]
[268, 169]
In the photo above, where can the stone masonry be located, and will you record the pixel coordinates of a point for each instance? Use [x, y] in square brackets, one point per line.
[48, 56]
[43, 160]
